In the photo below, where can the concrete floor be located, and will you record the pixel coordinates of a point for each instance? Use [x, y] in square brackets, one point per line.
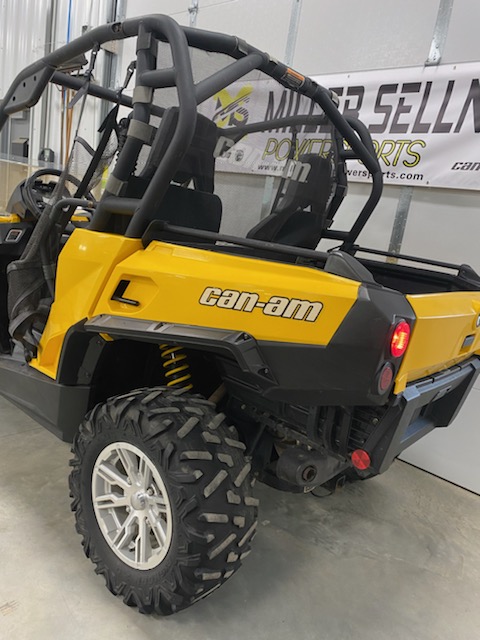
[397, 557]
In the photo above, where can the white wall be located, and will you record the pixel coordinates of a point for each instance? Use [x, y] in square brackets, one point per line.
[263, 24]
[341, 35]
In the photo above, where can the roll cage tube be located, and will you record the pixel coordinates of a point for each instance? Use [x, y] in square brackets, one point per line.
[30, 83]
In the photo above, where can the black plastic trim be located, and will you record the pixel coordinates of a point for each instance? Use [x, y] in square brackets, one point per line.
[424, 405]
[238, 344]
[59, 408]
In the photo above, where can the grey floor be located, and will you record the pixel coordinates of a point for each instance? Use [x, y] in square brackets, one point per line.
[395, 557]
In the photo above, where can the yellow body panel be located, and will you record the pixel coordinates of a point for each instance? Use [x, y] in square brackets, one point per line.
[443, 322]
[12, 218]
[168, 282]
[84, 266]
[9, 218]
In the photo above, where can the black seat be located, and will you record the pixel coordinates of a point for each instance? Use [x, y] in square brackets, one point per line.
[302, 213]
[198, 163]
[184, 208]
[195, 206]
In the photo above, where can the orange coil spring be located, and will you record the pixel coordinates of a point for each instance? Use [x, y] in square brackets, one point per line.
[176, 367]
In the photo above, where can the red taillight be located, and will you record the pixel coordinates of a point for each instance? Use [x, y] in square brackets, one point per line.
[360, 459]
[385, 377]
[400, 338]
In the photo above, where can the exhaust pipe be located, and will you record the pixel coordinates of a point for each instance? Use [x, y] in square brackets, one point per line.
[305, 468]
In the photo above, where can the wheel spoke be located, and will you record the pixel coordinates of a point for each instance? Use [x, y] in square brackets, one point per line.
[159, 503]
[126, 532]
[115, 515]
[144, 472]
[156, 524]
[111, 500]
[142, 542]
[112, 475]
[130, 463]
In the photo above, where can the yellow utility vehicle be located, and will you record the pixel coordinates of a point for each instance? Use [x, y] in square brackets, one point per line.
[186, 331]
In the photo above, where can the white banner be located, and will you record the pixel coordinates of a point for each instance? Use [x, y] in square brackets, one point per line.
[424, 121]
[264, 152]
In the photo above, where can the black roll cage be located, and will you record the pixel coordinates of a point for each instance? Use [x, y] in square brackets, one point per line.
[30, 83]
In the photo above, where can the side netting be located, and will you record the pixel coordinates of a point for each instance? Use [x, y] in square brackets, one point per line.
[31, 279]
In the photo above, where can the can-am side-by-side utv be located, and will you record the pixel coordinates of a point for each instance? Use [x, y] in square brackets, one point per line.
[184, 329]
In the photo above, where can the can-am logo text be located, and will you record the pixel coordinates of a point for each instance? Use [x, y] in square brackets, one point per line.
[291, 308]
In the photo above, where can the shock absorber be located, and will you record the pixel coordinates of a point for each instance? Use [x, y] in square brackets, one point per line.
[176, 367]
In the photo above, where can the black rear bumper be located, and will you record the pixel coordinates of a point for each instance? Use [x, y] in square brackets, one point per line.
[424, 405]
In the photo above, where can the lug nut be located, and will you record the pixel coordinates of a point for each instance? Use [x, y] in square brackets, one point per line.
[309, 474]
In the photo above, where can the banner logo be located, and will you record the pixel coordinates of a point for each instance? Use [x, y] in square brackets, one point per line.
[231, 111]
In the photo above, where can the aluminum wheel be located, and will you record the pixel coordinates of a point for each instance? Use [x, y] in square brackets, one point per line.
[131, 505]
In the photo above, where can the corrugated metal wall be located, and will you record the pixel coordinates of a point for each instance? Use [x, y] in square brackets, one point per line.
[22, 40]
[25, 26]
[22, 36]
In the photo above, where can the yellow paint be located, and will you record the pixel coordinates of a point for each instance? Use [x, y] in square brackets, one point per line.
[443, 322]
[12, 218]
[84, 266]
[168, 281]
[9, 218]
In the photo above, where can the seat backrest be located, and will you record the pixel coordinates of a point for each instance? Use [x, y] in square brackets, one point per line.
[197, 206]
[314, 191]
[198, 164]
[302, 213]
[185, 208]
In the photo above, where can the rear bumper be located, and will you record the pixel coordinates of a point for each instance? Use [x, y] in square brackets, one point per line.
[424, 405]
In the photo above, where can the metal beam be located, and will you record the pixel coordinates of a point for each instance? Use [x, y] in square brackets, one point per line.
[400, 222]
[268, 192]
[293, 31]
[440, 33]
[437, 47]
[193, 11]
[46, 101]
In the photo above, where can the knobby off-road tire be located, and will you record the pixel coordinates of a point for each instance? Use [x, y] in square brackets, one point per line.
[199, 489]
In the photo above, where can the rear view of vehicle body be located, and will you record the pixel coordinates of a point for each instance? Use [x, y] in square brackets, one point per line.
[143, 318]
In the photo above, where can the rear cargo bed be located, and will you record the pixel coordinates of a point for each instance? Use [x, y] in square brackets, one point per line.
[418, 280]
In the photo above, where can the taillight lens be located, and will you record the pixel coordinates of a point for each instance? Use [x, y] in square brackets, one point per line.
[385, 377]
[400, 339]
[361, 460]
